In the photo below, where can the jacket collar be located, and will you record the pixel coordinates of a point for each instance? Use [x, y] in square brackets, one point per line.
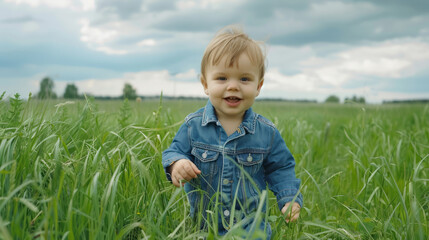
[249, 120]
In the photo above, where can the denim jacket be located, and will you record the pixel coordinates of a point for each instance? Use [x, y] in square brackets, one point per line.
[256, 146]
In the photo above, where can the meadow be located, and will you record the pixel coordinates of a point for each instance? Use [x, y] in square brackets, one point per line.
[91, 169]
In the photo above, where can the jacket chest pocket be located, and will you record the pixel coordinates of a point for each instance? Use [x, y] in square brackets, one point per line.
[251, 162]
[205, 160]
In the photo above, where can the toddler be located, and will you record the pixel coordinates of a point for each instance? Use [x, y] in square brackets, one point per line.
[227, 149]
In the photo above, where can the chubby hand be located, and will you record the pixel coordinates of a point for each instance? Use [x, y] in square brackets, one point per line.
[293, 213]
[183, 169]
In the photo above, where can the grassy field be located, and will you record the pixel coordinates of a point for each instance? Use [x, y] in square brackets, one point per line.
[92, 170]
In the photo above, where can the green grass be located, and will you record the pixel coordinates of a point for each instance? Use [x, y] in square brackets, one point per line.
[92, 170]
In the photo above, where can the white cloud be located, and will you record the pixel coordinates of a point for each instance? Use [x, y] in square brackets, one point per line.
[85, 5]
[147, 83]
[204, 4]
[49, 3]
[30, 27]
[390, 59]
[318, 77]
[385, 60]
[186, 76]
[98, 38]
[88, 5]
[95, 35]
[111, 51]
[186, 4]
[325, 10]
[275, 80]
[130, 36]
[288, 57]
[147, 42]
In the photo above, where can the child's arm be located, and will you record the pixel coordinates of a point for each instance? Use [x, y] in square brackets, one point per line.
[180, 149]
[183, 169]
[279, 169]
[293, 213]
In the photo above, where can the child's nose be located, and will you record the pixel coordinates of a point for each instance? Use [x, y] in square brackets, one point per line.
[233, 85]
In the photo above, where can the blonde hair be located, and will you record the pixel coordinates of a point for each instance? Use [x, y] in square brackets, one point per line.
[231, 42]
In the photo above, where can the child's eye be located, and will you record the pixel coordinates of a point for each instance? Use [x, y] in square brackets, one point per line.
[245, 79]
[221, 78]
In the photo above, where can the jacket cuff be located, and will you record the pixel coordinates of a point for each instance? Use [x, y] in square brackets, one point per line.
[167, 163]
[289, 195]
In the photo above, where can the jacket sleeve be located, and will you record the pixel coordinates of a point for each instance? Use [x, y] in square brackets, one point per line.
[180, 148]
[280, 172]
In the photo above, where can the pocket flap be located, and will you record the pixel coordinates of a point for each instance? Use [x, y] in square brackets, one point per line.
[205, 155]
[249, 159]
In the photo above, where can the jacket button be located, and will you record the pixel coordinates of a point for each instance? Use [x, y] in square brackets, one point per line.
[249, 158]
[226, 213]
[205, 154]
[225, 181]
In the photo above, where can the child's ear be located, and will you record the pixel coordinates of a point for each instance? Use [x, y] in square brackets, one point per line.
[261, 82]
[204, 83]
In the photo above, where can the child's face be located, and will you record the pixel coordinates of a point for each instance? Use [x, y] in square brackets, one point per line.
[232, 90]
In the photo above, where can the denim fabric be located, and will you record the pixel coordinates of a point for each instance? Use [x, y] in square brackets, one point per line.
[255, 150]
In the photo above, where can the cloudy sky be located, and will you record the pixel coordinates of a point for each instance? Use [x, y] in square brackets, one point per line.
[315, 48]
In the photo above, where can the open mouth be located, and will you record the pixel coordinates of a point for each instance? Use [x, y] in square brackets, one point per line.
[232, 99]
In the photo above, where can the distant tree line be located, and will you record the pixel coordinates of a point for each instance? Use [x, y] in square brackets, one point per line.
[354, 99]
[407, 101]
[332, 99]
[47, 90]
[287, 100]
[130, 93]
[71, 91]
[361, 100]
